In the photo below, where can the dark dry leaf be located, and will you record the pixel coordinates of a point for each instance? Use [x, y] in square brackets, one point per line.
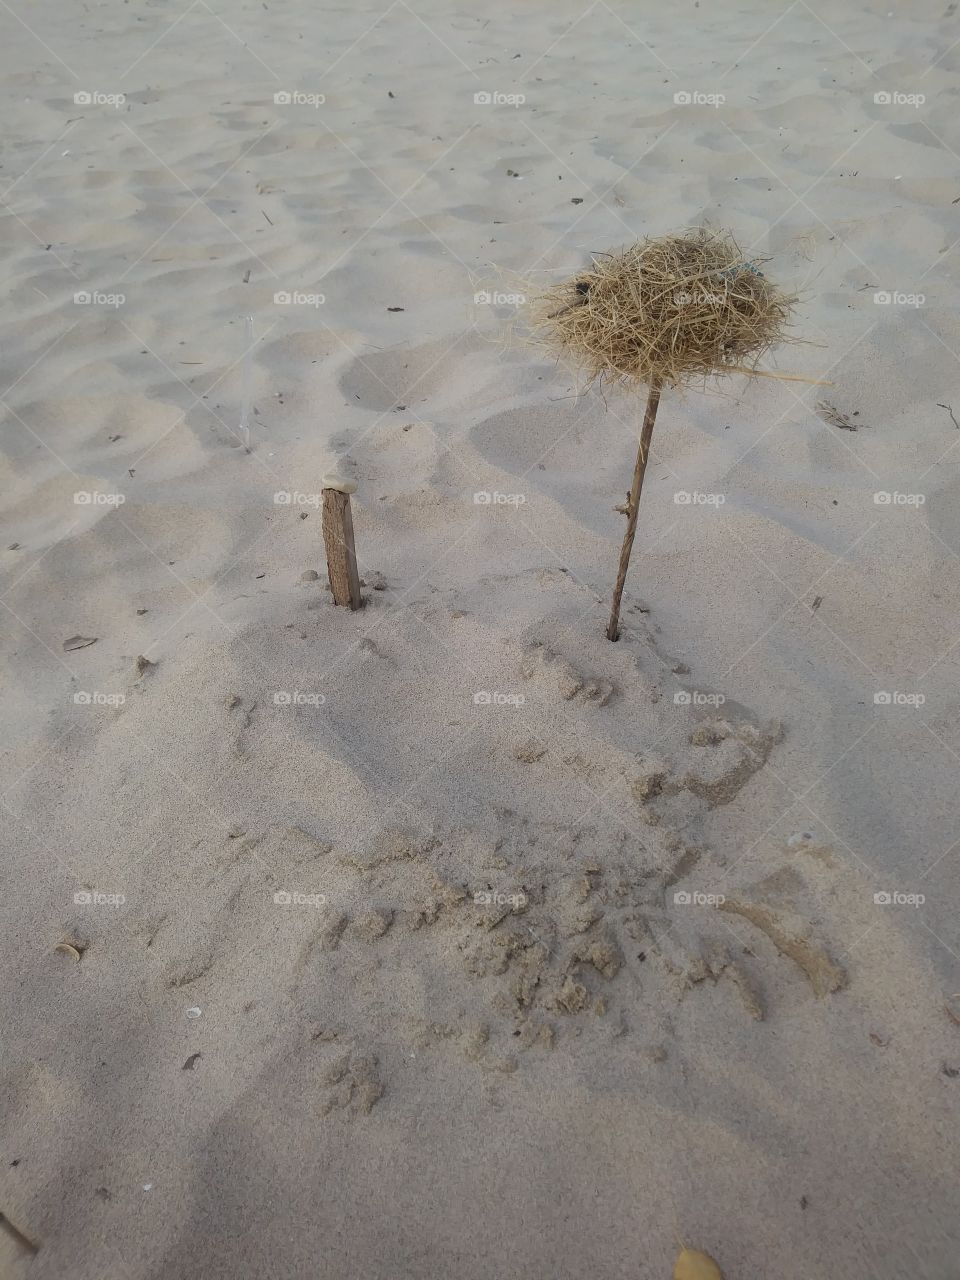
[79, 642]
[832, 415]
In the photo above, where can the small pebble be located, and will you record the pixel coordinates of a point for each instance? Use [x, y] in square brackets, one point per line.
[800, 838]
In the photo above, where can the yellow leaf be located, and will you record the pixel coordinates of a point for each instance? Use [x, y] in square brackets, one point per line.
[694, 1265]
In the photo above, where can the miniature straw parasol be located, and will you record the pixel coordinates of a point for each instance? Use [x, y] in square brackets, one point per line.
[664, 312]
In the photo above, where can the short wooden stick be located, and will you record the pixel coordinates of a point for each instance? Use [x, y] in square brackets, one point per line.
[633, 504]
[339, 545]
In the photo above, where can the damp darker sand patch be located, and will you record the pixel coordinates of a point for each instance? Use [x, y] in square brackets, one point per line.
[824, 975]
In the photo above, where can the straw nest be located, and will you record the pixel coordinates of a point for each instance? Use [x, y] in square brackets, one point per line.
[666, 311]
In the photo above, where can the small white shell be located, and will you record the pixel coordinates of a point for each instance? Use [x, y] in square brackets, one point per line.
[339, 483]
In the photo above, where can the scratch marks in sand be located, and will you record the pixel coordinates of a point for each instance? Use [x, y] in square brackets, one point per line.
[497, 976]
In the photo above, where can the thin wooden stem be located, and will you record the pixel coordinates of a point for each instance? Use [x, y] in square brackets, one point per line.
[633, 504]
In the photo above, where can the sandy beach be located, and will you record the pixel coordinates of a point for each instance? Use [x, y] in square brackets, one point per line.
[447, 938]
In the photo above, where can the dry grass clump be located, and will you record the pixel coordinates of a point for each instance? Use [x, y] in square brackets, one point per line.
[665, 311]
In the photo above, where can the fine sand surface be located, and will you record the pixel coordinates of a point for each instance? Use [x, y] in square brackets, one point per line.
[367, 976]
